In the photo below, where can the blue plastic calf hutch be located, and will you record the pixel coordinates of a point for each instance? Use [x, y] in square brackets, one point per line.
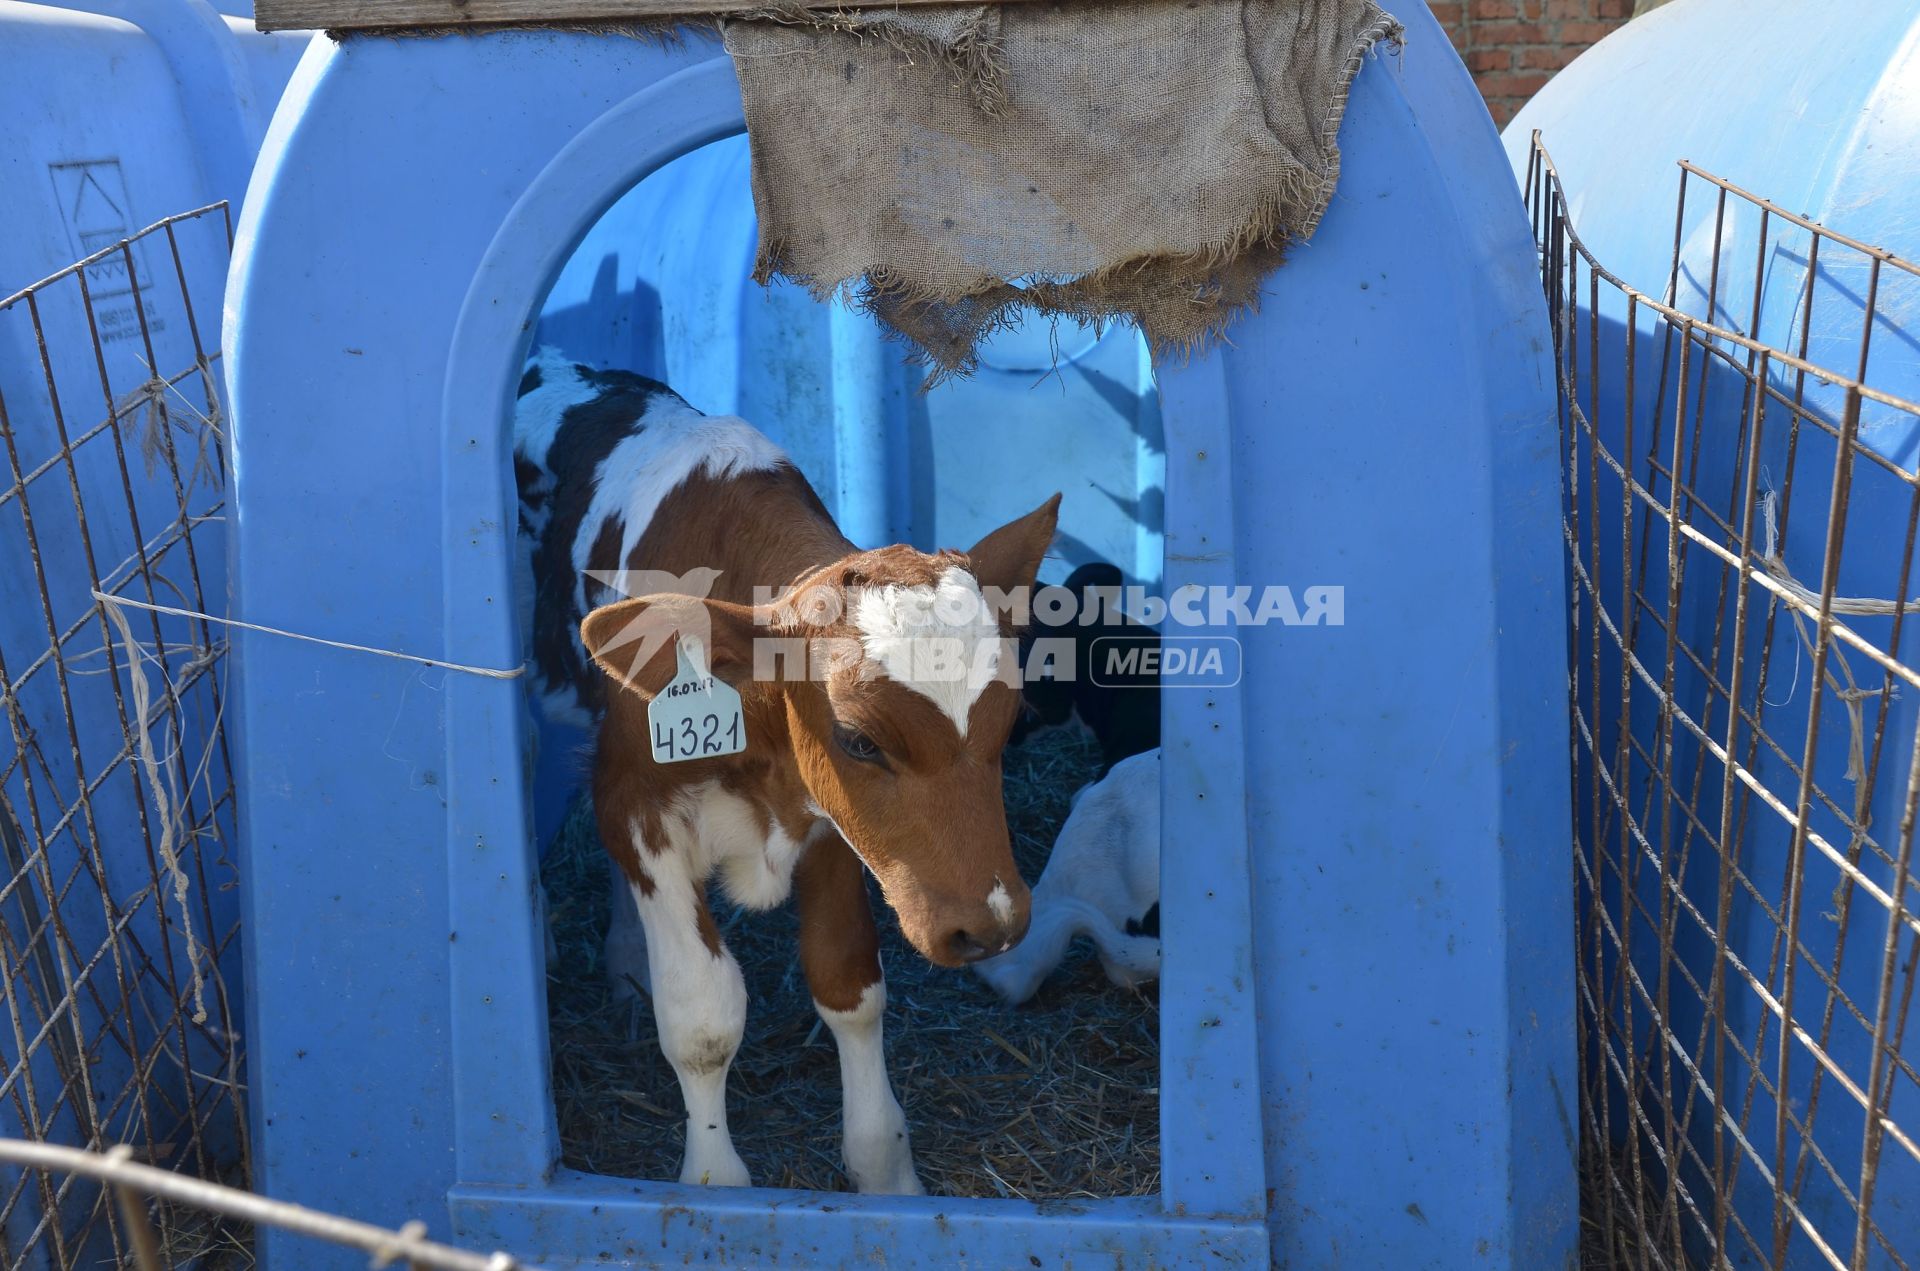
[118, 115]
[1812, 110]
[1366, 996]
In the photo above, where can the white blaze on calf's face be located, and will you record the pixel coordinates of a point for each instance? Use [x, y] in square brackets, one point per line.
[940, 641]
[1001, 905]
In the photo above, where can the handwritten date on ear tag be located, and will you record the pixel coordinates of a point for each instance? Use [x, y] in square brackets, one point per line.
[697, 715]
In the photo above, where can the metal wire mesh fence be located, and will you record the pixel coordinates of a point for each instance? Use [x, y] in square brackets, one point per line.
[118, 922]
[1741, 506]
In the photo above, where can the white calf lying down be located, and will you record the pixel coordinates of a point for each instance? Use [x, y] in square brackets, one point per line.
[1103, 880]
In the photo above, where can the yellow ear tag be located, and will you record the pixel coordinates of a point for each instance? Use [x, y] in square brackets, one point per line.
[696, 716]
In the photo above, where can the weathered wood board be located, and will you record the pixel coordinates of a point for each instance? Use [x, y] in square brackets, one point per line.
[387, 15]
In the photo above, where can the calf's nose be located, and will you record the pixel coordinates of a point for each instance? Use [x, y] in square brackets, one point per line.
[964, 946]
[993, 931]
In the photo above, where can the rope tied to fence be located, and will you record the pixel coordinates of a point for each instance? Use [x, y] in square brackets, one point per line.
[486, 672]
[1851, 695]
[1851, 606]
[114, 607]
[151, 397]
[162, 800]
[152, 394]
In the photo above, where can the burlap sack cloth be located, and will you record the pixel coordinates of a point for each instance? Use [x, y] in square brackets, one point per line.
[953, 166]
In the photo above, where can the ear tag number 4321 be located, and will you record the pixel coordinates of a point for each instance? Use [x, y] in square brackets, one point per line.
[697, 716]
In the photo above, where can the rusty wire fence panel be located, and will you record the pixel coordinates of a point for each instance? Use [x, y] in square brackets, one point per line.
[118, 914]
[1741, 508]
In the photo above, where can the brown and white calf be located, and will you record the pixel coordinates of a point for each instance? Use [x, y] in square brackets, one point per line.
[884, 759]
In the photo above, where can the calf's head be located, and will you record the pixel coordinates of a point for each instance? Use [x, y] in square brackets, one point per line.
[893, 676]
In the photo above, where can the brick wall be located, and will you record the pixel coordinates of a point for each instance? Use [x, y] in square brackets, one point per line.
[1513, 47]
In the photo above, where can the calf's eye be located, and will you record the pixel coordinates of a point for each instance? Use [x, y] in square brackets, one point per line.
[858, 745]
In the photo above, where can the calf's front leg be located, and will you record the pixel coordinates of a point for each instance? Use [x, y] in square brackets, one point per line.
[699, 1005]
[840, 952]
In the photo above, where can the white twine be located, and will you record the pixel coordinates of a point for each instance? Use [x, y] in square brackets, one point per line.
[114, 608]
[1854, 606]
[163, 804]
[159, 418]
[492, 673]
[1851, 695]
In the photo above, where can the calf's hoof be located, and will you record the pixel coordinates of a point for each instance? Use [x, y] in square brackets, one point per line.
[904, 1184]
[715, 1168]
[885, 1165]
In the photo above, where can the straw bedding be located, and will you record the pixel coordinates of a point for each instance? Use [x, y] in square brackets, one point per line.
[1057, 1098]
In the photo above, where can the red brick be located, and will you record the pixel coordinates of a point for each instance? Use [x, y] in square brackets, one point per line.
[1550, 58]
[1512, 47]
[1531, 11]
[1516, 84]
[1585, 32]
[1447, 12]
[1502, 112]
[1500, 34]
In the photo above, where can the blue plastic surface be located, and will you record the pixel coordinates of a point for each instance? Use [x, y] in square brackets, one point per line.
[1814, 110]
[225, 80]
[1367, 992]
[114, 119]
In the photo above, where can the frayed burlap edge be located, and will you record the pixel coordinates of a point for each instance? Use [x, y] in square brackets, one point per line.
[1384, 29]
[1181, 304]
[973, 60]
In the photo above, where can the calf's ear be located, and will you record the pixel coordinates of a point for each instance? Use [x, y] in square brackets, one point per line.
[1009, 558]
[634, 640]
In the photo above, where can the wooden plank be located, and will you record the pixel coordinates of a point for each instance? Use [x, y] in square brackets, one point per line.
[388, 15]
